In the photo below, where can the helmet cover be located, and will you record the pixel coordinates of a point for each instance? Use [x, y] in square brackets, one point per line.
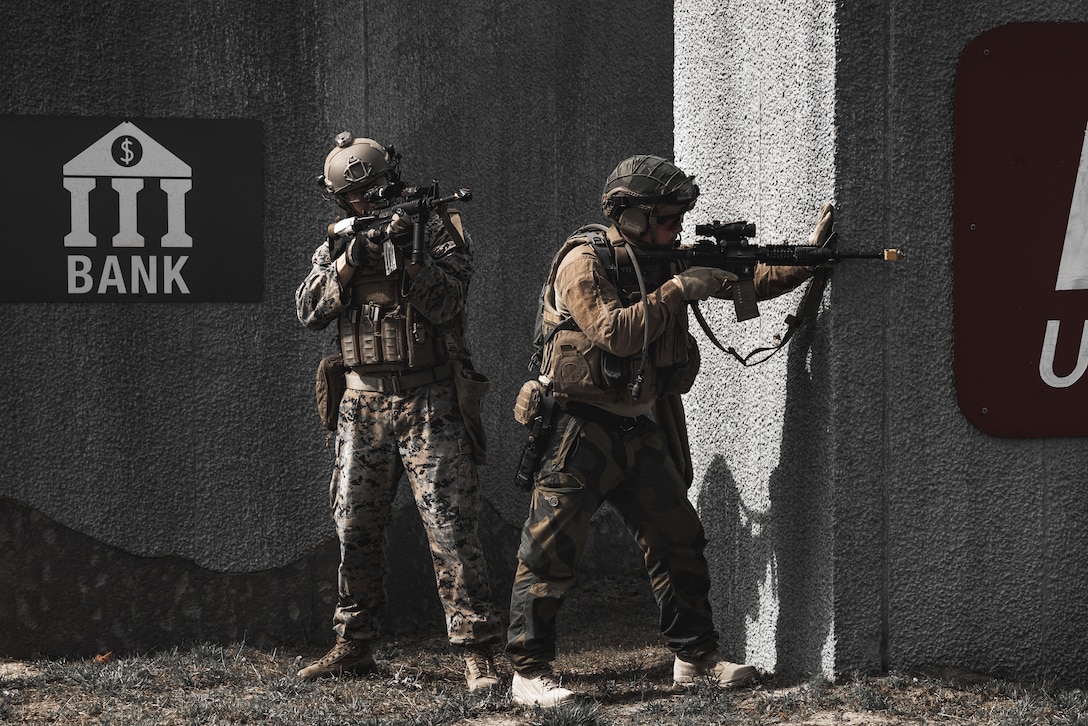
[646, 181]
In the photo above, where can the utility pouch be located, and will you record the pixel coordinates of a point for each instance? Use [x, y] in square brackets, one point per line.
[425, 348]
[471, 387]
[575, 368]
[541, 427]
[616, 370]
[330, 387]
[360, 336]
[529, 400]
[394, 338]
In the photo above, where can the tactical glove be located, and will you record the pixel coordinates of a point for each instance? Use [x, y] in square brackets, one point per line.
[825, 224]
[399, 224]
[699, 283]
[823, 232]
[363, 252]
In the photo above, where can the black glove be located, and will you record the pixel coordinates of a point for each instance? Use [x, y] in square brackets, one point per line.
[363, 252]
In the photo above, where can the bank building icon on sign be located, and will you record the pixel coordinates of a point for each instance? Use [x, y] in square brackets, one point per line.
[128, 158]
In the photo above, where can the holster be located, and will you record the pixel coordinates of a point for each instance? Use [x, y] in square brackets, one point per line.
[541, 427]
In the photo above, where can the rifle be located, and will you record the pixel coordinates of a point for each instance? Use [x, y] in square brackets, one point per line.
[730, 250]
[390, 199]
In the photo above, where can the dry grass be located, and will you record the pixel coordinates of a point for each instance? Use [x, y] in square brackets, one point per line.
[615, 660]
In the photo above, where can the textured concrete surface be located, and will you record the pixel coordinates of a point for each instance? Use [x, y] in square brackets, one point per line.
[170, 454]
[859, 520]
[984, 557]
[189, 431]
[754, 99]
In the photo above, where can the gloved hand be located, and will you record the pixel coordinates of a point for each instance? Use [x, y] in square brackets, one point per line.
[823, 232]
[398, 224]
[825, 225]
[699, 283]
[364, 252]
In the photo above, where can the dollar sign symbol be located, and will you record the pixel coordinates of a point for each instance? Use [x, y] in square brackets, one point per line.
[127, 151]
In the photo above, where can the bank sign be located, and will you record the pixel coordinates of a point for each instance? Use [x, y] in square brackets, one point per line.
[136, 210]
[1020, 231]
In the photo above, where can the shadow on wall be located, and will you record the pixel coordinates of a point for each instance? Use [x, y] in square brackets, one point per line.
[67, 594]
[786, 550]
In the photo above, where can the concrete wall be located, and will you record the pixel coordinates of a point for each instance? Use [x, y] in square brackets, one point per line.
[755, 122]
[164, 472]
[858, 520]
[165, 476]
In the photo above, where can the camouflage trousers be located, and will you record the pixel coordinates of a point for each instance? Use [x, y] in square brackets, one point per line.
[586, 464]
[418, 432]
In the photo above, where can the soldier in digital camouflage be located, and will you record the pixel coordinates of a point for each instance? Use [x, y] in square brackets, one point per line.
[411, 404]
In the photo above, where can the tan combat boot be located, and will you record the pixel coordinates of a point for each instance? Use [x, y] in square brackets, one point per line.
[712, 671]
[347, 656]
[480, 673]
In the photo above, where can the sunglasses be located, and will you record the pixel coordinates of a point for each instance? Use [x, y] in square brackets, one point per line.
[669, 221]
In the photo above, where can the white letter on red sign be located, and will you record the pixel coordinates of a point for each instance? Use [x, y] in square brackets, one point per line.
[1073, 269]
[1072, 275]
[1046, 362]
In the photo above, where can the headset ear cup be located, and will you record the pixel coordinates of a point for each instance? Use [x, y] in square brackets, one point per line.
[633, 222]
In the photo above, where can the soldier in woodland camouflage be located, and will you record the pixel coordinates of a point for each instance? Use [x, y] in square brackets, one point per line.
[402, 337]
[616, 355]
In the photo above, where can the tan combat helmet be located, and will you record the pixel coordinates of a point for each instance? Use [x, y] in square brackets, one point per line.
[357, 163]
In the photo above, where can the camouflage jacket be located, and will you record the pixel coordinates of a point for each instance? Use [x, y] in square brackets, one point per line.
[611, 325]
[439, 291]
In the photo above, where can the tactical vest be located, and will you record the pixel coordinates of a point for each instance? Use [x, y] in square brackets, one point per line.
[579, 370]
[382, 332]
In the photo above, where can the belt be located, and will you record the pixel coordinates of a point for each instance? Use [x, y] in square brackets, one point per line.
[396, 382]
[602, 417]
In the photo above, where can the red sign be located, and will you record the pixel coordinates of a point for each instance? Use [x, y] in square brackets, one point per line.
[1020, 231]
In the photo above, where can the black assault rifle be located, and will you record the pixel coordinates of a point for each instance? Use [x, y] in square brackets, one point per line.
[729, 250]
[390, 199]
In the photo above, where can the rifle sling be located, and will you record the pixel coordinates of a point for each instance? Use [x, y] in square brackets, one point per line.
[793, 322]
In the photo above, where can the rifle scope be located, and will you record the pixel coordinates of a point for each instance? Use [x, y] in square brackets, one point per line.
[727, 231]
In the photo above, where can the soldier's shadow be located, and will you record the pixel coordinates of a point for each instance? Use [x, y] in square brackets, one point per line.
[780, 554]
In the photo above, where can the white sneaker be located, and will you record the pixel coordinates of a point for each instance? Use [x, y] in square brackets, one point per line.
[541, 690]
[713, 671]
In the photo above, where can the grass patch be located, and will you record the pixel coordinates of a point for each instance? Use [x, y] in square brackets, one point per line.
[618, 664]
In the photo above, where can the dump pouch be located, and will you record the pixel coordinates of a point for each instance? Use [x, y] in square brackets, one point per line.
[329, 388]
[471, 387]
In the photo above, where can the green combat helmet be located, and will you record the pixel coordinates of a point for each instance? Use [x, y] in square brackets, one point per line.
[638, 184]
[357, 163]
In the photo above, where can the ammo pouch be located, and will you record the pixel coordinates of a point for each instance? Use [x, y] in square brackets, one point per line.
[471, 387]
[329, 387]
[381, 339]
